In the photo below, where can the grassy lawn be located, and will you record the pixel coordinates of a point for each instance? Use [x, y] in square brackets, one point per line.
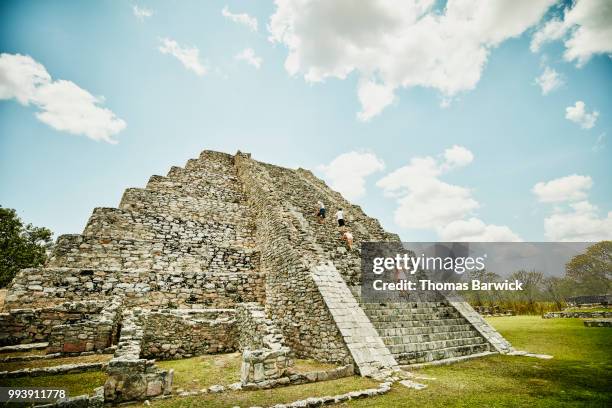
[193, 374]
[580, 375]
[269, 397]
[75, 384]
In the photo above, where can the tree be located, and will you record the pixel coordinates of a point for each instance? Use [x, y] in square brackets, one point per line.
[592, 270]
[21, 246]
[532, 282]
[558, 289]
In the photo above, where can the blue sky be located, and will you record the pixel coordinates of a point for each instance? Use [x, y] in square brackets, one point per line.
[509, 136]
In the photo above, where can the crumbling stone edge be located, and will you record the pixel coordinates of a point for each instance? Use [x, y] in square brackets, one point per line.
[54, 370]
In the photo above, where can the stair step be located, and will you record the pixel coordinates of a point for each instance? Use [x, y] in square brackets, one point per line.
[434, 345]
[421, 338]
[402, 331]
[418, 323]
[416, 357]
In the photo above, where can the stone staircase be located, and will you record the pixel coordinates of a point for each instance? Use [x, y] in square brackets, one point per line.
[422, 332]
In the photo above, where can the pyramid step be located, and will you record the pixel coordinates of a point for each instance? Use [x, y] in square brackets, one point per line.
[197, 188]
[403, 331]
[78, 251]
[434, 345]
[418, 323]
[124, 224]
[168, 204]
[425, 338]
[425, 356]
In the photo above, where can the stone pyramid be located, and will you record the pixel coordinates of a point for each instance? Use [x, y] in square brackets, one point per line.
[225, 231]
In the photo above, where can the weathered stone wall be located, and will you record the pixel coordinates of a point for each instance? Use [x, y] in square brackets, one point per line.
[195, 289]
[265, 358]
[129, 376]
[255, 330]
[98, 332]
[81, 251]
[173, 334]
[301, 190]
[185, 241]
[18, 326]
[578, 315]
[292, 298]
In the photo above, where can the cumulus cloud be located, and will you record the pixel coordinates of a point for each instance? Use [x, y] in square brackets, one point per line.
[549, 80]
[581, 223]
[475, 230]
[575, 218]
[188, 56]
[393, 44]
[586, 28]
[240, 18]
[424, 201]
[578, 114]
[141, 12]
[347, 172]
[248, 55]
[63, 105]
[569, 188]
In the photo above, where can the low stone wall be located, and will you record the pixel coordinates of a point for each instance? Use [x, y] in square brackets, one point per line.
[97, 333]
[598, 323]
[578, 315]
[90, 401]
[265, 368]
[54, 370]
[129, 376]
[182, 333]
[19, 326]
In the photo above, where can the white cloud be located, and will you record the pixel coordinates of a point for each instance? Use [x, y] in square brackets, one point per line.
[549, 80]
[240, 18]
[581, 223]
[395, 44]
[426, 202]
[63, 104]
[586, 27]
[457, 156]
[579, 115]
[475, 230]
[141, 12]
[188, 56]
[569, 188]
[347, 172]
[248, 55]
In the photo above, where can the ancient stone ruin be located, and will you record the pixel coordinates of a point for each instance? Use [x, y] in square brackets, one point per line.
[226, 255]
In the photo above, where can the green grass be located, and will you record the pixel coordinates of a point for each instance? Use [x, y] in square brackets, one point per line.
[75, 384]
[579, 375]
[269, 397]
[195, 373]
[18, 365]
[304, 366]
